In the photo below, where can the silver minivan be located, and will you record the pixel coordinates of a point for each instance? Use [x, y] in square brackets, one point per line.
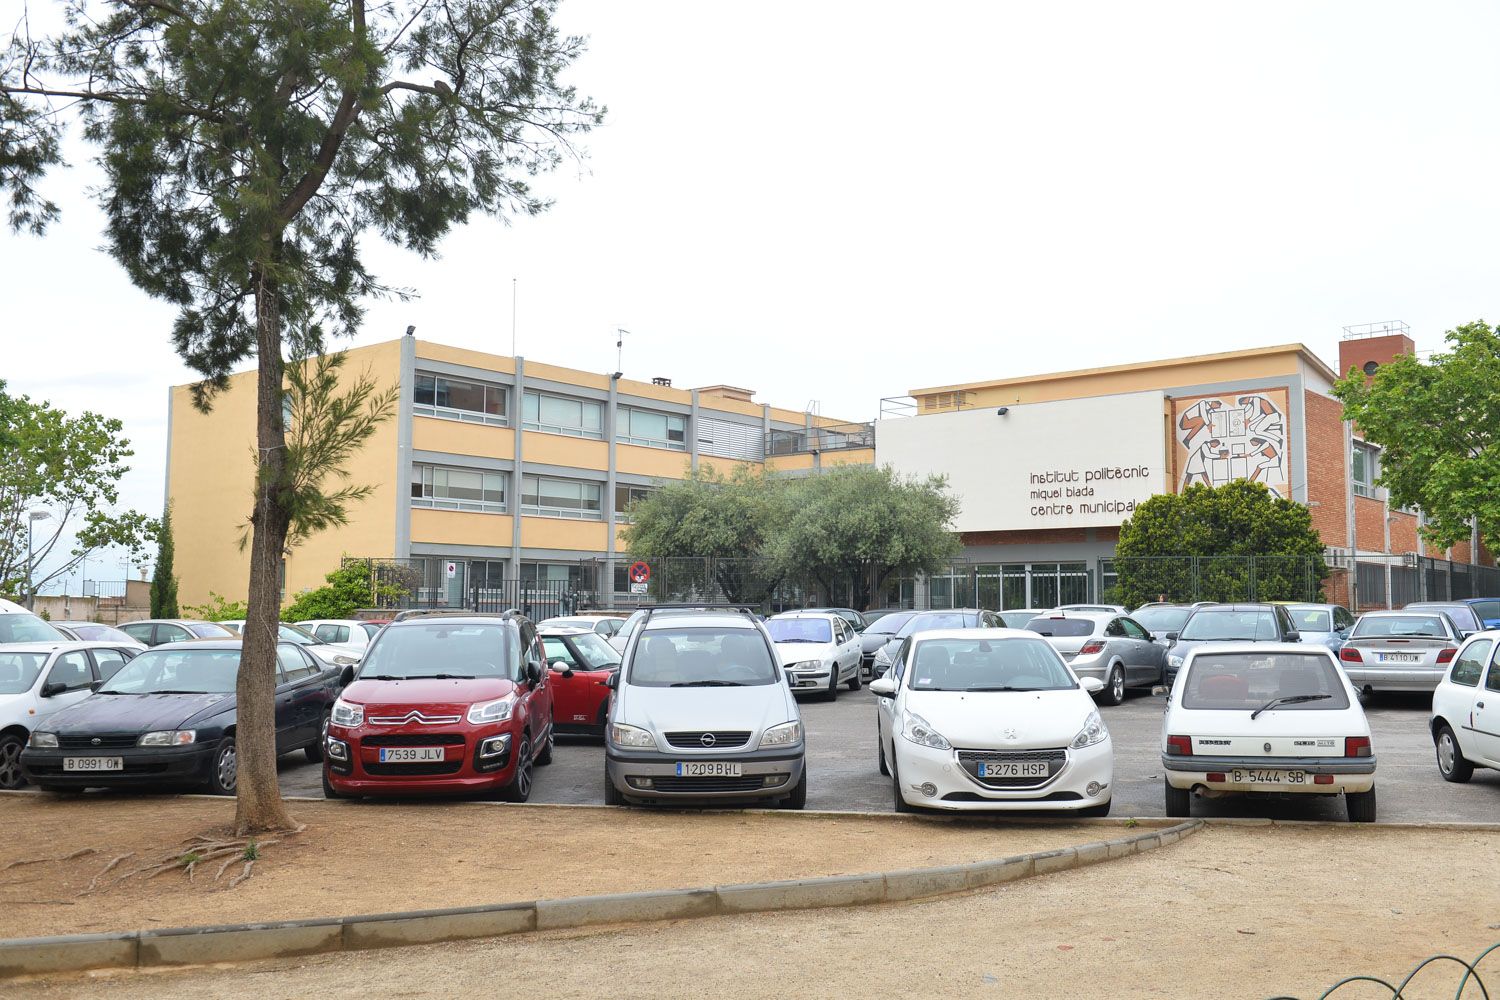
[702, 711]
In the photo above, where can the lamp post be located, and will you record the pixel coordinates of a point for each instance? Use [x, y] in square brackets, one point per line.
[31, 519]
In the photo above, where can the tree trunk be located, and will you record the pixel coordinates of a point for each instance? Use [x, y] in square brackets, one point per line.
[258, 805]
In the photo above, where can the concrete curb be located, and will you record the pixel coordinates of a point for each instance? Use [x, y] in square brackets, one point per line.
[246, 942]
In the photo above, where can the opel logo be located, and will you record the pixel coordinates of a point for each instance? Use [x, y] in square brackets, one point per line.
[1268, 748]
[95, 741]
[707, 739]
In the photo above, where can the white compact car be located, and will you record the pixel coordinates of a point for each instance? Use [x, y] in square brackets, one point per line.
[350, 632]
[40, 678]
[818, 649]
[973, 719]
[1466, 709]
[331, 654]
[602, 625]
[1268, 718]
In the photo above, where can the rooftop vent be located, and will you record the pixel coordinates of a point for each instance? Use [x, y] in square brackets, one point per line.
[662, 382]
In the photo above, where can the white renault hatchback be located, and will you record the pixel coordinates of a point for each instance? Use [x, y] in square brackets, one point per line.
[1268, 718]
[974, 719]
[1466, 709]
[818, 650]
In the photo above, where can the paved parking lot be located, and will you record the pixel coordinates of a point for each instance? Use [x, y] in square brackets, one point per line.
[843, 775]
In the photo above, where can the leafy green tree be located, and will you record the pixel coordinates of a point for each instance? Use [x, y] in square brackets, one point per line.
[218, 609]
[851, 528]
[1438, 425]
[247, 148]
[1226, 543]
[163, 582]
[70, 467]
[349, 588]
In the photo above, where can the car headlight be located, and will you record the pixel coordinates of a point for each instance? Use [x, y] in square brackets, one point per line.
[630, 736]
[498, 710]
[920, 731]
[43, 739]
[881, 657]
[804, 665]
[345, 660]
[1093, 731]
[783, 735]
[1174, 661]
[167, 738]
[346, 713]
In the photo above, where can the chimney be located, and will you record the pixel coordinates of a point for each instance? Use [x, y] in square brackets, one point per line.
[1370, 345]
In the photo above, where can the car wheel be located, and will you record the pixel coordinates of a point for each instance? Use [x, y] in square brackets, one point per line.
[1096, 812]
[314, 751]
[857, 681]
[798, 798]
[329, 792]
[1179, 801]
[885, 768]
[1451, 760]
[1114, 689]
[612, 796]
[10, 761]
[902, 806]
[832, 693]
[545, 757]
[518, 789]
[1366, 695]
[1361, 806]
[223, 774]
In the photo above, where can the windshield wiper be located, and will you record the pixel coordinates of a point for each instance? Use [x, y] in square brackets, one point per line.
[999, 687]
[170, 691]
[707, 684]
[1295, 699]
[434, 677]
[801, 640]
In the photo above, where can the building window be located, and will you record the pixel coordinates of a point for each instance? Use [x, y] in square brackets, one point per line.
[562, 415]
[651, 429]
[458, 489]
[1366, 469]
[627, 495]
[559, 576]
[455, 399]
[561, 498]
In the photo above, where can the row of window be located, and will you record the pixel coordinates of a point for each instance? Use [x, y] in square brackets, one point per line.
[444, 488]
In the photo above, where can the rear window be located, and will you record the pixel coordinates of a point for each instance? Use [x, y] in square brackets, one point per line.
[1462, 615]
[27, 628]
[702, 657]
[1311, 619]
[1016, 619]
[1062, 627]
[800, 629]
[1227, 625]
[1248, 681]
[208, 630]
[1162, 619]
[1401, 626]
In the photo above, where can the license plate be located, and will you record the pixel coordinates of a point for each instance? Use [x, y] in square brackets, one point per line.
[708, 769]
[1014, 769]
[410, 755]
[1251, 776]
[93, 763]
[1399, 657]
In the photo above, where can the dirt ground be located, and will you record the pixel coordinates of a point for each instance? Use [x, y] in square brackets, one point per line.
[1228, 912]
[384, 857]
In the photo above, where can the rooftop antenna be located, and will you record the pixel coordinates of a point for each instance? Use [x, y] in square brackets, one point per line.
[512, 317]
[620, 336]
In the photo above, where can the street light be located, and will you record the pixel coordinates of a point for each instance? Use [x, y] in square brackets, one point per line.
[31, 519]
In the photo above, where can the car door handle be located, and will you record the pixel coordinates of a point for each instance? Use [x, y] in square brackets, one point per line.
[1479, 704]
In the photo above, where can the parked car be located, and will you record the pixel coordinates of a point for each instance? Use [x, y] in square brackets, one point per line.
[39, 679]
[991, 719]
[1111, 648]
[1486, 609]
[1229, 623]
[1101, 609]
[1465, 721]
[881, 631]
[1463, 614]
[19, 625]
[1162, 620]
[622, 638]
[95, 632]
[954, 618]
[168, 718]
[156, 632]
[442, 703]
[603, 624]
[1276, 718]
[1018, 617]
[702, 711]
[1399, 650]
[875, 614]
[581, 664]
[331, 653]
[854, 619]
[818, 650]
[353, 632]
[1328, 624]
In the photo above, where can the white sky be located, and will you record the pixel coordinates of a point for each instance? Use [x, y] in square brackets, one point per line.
[839, 202]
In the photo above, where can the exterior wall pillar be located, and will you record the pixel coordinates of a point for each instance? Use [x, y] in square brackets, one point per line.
[606, 586]
[407, 386]
[515, 486]
[1349, 513]
[692, 431]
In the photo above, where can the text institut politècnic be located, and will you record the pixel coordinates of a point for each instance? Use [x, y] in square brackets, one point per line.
[1059, 484]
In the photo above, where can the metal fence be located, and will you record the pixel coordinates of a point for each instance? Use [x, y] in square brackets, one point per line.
[1393, 581]
[400, 584]
[1135, 580]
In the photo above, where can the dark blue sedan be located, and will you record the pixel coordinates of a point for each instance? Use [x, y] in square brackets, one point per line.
[168, 718]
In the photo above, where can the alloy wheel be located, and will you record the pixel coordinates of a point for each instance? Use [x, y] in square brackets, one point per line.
[523, 770]
[1117, 686]
[1447, 753]
[10, 764]
[227, 766]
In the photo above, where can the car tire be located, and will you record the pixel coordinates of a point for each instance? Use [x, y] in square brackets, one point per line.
[1361, 806]
[11, 746]
[832, 694]
[1096, 812]
[1179, 801]
[545, 757]
[1366, 695]
[223, 771]
[612, 796]
[885, 769]
[798, 798]
[1114, 687]
[518, 788]
[314, 751]
[1458, 768]
[857, 681]
[902, 806]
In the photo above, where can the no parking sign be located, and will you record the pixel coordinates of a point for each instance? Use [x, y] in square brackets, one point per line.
[639, 574]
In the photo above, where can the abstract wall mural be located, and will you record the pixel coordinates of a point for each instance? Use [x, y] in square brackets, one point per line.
[1240, 435]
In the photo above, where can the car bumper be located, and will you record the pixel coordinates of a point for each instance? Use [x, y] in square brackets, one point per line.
[1412, 678]
[1347, 774]
[768, 775]
[809, 680]
[1092, 667]
[357, 770]
[955, 789]
[143, 766]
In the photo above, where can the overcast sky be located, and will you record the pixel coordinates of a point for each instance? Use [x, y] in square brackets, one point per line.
[839, 202]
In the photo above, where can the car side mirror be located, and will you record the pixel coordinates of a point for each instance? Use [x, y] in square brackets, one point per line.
[1171, 637]
[346, 676]
[533, 672]
[883, 687]
[613, 681]
[1092, 685]
[52, 688]
[95, 685]
[562, 668]
[1294, 637]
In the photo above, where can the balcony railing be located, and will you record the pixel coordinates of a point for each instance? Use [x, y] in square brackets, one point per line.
[830, 437]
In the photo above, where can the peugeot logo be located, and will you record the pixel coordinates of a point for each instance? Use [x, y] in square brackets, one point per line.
[95, 741]
[1010, 734]
[707, 739]
[1267, 748]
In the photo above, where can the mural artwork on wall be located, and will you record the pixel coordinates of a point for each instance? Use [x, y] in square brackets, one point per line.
[1233, 436]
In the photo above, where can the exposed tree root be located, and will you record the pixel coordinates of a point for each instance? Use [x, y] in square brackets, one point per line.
[107, 869]
[242, 876]
[43, 861]
[192, 852]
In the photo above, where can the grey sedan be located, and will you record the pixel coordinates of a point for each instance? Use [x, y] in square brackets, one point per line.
[1113, 648]
[1399, 650]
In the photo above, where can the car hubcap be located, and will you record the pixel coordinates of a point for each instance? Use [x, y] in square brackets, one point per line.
[10, 765]
[228, 767]
[1119, 686]
[1445, 752]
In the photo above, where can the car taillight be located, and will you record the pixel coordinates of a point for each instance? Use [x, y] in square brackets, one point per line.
[1091, 648]
[1357, 746]
[1350, 655]
[1446, 655]
[1180, 745]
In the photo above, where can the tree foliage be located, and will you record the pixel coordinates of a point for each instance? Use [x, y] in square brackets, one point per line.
[1438, 425]
[70, 467]
[218, 609]
[1226, 543]
[349, 588]
[163, 580]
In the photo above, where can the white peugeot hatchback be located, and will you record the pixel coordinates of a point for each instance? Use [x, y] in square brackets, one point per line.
[1268, 718]
[1466, 709]
[975, 719]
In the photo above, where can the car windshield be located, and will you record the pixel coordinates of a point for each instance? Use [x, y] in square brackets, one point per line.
[1162, 619]
[800, 629]
[370, 628]
[702, 657]
[1462, 615]
[1403, 626]
[636, 617]
[18, 671]
[27, 628]
[442, 649]
[595, 652]
[1228, 625]
[568, 623]
[210, 630]
[1245, 682]
[177, 671]
[100, 633]
[890, 624]
[1062, 627]
[1312, 619]
[1488, 610]
[987, 665]
[934, 620]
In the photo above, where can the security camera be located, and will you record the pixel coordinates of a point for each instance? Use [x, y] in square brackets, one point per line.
[1002, 411]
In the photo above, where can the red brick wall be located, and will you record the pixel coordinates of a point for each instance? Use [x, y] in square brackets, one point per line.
[1327, 471]
[1461, 553]
[1369, 524]
[1403, 532]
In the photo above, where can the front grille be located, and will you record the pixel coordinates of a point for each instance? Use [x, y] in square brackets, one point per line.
[976, 797]
[1054, 758]
[397, 770]
[418, 740]
[414, 716]
[721, 740]
[111, 741]
[707, 785]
